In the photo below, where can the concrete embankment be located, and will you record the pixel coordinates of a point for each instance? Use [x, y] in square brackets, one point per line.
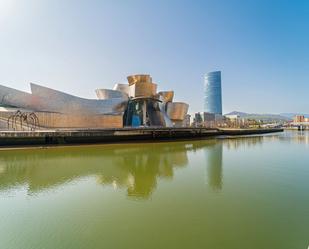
[56, 137]
[240, 132]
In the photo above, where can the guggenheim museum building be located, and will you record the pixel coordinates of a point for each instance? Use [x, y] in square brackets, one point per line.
[136, 103]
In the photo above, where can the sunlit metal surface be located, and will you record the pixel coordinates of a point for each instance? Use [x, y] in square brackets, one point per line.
[124, 88]
[132, 79]
[167, 96]
[66, 103]
[139, 100]
[110, 94]
[143, 89]
[177, 110]
[15, 98]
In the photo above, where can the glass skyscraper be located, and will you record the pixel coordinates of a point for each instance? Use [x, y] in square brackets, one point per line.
[212, 93]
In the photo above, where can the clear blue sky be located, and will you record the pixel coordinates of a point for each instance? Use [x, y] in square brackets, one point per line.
[261, 47]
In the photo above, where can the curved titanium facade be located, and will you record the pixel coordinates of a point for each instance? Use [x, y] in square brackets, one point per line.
[15, 98]
[143, 89]
[212, 94]
[124, 88]
[138, 78]
[177, 110]
[57, 101]
[167, 96]
[110, 94]
[134, 104]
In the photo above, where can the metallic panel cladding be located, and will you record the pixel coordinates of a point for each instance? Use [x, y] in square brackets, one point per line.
[61, 102]
[110, 94]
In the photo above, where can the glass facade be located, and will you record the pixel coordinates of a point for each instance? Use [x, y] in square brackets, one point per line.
[134, 116]
[212, 93]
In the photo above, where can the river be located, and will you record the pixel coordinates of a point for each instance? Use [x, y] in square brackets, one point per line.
[234, 193]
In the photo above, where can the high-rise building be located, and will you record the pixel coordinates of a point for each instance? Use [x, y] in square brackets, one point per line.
[212, 93]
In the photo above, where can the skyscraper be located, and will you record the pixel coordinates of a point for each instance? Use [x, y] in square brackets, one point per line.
[212, 93]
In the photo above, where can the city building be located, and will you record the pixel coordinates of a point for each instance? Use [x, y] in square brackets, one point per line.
[299, 119]
[187, 121]
[133, 104]
[212, 93]
[209, 117]
[233, 120]
[232, 117]
[197, 120]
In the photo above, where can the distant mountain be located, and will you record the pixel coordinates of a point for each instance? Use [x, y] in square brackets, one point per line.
[240, 114]
[264, 117]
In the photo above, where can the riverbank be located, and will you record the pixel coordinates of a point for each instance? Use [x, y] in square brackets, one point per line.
[62, 137]
[305, 128]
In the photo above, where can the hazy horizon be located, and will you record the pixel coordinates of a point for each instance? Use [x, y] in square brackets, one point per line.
[261, 48]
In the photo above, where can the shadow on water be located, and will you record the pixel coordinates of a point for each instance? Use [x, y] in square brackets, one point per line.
[135, 167]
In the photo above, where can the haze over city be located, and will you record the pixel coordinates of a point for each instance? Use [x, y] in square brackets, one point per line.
[261, 48]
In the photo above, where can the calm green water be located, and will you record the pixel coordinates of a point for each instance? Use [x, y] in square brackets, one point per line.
[240, 193]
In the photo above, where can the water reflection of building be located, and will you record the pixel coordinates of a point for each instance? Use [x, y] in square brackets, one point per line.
[294, 136]
[134, 167]
[145, 165]
[214, 166]
[301, 137]
[237, 142]
[214, 156]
